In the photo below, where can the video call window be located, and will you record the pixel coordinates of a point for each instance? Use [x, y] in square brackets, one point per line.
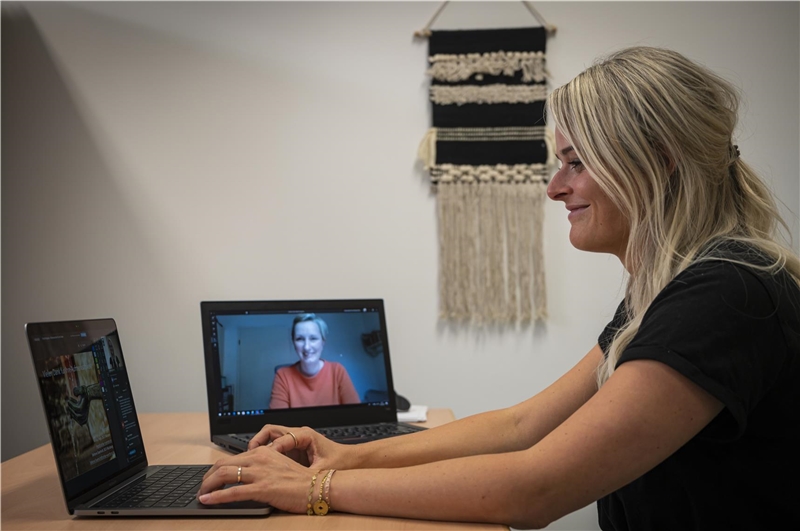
[261, 363]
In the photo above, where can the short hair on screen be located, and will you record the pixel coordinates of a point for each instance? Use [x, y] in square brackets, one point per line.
[305, 317]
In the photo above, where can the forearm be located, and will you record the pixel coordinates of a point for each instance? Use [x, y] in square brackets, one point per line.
[487, 488]
[643, 414]
[485, 433]
[504, 430]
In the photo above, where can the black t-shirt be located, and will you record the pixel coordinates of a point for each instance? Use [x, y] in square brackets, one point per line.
[735, 332]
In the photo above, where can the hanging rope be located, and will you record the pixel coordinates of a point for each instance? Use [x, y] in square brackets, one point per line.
[425, 32]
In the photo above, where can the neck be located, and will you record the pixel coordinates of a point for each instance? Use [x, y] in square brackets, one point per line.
[311, 370]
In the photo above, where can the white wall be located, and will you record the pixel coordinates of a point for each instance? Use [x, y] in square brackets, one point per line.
[156, 155]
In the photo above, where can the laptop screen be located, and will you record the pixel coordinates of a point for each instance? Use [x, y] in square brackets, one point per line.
[87, 401]
[272, 361]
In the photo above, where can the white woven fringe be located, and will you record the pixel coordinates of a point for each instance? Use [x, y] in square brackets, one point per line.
[427, 148]
[459, 67]
[497, 93]
[491, 257]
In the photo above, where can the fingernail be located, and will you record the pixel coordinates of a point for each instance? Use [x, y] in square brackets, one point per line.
[204, 498]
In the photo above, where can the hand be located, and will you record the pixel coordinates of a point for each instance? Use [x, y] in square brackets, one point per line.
[267, 476]
[307, 447]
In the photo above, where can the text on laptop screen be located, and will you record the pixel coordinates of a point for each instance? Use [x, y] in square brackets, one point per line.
[298, 359]
[87, 400]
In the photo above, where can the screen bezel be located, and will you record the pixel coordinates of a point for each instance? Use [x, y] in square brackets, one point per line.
[315, 417]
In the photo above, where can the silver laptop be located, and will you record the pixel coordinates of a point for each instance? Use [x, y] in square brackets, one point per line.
[253, 370]
[94, 430]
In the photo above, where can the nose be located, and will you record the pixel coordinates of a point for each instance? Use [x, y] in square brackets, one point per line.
[558, 189]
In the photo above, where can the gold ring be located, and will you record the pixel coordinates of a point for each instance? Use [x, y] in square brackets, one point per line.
[293, 437]
[239, 475]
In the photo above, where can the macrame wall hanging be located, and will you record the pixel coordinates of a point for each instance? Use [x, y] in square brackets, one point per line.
[489, 154]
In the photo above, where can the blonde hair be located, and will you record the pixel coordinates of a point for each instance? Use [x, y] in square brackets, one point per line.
[311, 317]
[655, 130]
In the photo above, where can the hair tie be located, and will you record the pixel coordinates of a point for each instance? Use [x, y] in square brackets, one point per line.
[735, 151]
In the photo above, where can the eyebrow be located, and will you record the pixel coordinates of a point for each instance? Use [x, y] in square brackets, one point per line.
[567, 150]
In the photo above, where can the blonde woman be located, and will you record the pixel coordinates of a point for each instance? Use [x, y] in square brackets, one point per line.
[684, 415]
[312, 381]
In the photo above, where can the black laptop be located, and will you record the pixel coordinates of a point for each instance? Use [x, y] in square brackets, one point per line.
[95, 433]
[257, 372]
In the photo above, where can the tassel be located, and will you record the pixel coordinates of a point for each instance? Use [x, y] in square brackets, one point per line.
[491, 269]
[550, 141]
[539, 289]
[427, 148]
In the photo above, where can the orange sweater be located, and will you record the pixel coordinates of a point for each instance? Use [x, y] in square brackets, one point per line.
[331, 385]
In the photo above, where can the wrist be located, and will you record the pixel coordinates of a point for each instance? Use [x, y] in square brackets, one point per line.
[356, 456]
[321, 482]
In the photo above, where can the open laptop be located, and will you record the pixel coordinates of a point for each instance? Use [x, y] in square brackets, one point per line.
[94, 430]
[253, 370]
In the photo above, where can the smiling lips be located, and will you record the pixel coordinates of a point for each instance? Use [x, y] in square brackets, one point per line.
[576, 210]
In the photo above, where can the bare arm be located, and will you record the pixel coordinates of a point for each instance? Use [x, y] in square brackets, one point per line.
[504, 430]
[269, 475]
[644, 413]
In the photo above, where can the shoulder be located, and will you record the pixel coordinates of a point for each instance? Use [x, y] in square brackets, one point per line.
[722, 306]
[289, 371]
[337, 370]
[335, 366]
[732, 277]
[737, 282]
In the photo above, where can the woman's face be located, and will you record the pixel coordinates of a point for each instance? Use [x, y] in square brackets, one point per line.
[308, 341]
[597, 224]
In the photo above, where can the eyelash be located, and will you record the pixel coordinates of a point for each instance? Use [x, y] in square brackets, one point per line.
[575, 165]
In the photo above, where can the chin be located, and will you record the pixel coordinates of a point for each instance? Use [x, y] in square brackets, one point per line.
[579, 243]
[587, 245]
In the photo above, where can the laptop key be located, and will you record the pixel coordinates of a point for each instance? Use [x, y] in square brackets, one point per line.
[174, 485]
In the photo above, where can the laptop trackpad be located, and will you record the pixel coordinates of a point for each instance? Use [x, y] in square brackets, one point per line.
[247, 504]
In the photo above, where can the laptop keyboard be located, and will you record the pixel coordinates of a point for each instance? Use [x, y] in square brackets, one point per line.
[354, 434]
[366, 432]
[170, 486]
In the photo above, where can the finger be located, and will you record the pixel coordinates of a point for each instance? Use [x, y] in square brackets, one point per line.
[261, 438]
[232, 494]
[291, 440]
[242, 460]
[225, 475]
[267, 435]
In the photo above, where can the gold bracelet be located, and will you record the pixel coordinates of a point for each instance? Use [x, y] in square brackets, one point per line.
[309, 510]
[321, 507]
[327, 484]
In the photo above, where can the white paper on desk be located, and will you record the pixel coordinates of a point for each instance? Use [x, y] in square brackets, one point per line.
[414, 414]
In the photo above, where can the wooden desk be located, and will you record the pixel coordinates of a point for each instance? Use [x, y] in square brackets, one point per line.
[32, 498]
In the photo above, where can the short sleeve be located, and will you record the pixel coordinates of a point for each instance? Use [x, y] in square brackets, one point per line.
[717, 325]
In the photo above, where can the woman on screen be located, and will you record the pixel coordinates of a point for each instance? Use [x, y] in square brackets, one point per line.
[311, 381]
